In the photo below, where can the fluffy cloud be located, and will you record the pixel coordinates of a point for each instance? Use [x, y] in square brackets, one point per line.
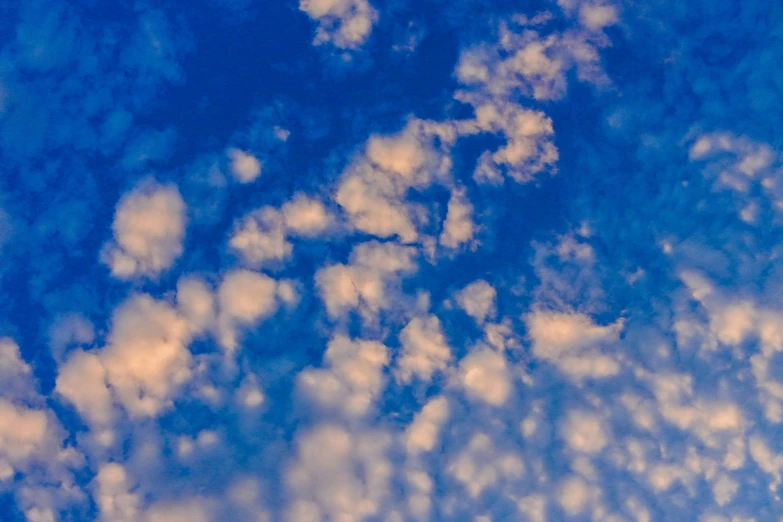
[478, 300]
[458, 227]
[344, 23]
[557, 409]
[338, 474]
[245, 167]
[373, 189]
[423, 433]
[147, 359]
[306, 216]
[261, 237]
[365, 283]
[352, 379]
[424, 349]
[485, 376]
[479, 465]
[584, 432]
[113, 494]
[573, 343]
[244, 298]
[149, 227]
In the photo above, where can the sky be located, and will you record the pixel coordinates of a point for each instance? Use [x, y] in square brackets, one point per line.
[391, 261]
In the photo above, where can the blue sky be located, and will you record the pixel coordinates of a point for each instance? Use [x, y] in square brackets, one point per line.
[390, 261]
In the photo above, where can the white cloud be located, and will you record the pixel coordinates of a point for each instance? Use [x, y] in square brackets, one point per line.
[339, 475]
[597, 16]
[584, 432]
[113, 496]
[344, 23]
[458, 227]
[478, 300]
[423, 433]
[373, 188]
[16, 376]
[23, 433]
[196, 303]
[480, 465]
[365, 283]
[261, 237]
[424, 349]
[245, 167]
[149, 227]
[306, 216]
[352, 379]
[147, 359]
[196, 509]
[574, 495]
[31, 439]
[485, 376]
[82, 381]
[572, 342]
[244, 298]
[592, 14]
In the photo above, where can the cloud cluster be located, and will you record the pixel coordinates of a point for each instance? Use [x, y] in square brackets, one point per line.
[149, 228]
[344, 23]
[427, 325]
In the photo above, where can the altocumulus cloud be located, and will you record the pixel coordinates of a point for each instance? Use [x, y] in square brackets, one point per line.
[257, 267]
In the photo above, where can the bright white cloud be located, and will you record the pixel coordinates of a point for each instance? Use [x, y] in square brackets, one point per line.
[573, 343]
[245, 167]
[423, 433]
[344, 23]
[458, 228]
[244, 298]
[82, 381]
[261, 237]
[478, 300]
[485, 376]
[23, 433]
[480, 465]
[306, 216]
[366, 282]
[149, 228]
[352, 379]
[584, 432]
[113, 494]
[424, 349]
[147, 359]
[338, 475]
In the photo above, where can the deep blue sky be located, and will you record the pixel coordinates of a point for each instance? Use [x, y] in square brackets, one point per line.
[390, 261]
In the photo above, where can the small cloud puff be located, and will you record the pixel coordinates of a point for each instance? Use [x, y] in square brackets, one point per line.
[424, 349]
[344, 23]
[572, 342]
[478, 300]
[339, 474]
[458, 228]
[262, 236]
[352, 379]
[149, 228]
[365, 283]
[480, 465]
[593, 15]
[306, 216]
[244, 298]
[374, 187]
[485, 377]
[245, 167]
[423, 433]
